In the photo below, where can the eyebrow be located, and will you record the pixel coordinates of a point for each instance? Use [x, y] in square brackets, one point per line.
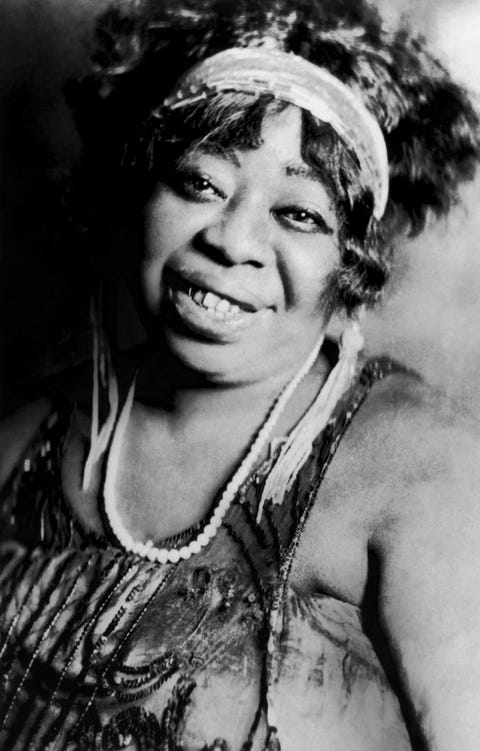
[211, 147]
[298, 170]
[291, 170]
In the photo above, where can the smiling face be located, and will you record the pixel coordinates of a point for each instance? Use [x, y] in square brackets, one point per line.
[239, 249]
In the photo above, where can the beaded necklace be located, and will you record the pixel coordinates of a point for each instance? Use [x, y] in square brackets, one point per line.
[173, 555]
[292, 456]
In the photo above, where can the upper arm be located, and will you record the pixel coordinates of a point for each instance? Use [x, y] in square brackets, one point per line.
[16, 432]
[428, 544]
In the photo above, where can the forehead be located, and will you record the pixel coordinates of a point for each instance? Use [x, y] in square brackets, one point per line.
[278, 151]
[245, 133]
[280, 137]
[235, 122]
[282, 133]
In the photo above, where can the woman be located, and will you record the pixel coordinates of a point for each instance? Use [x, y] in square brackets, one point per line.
[250, 540]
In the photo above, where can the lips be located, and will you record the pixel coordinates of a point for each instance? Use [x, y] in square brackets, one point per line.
[212, 314]
[219, 307]
[196, 284]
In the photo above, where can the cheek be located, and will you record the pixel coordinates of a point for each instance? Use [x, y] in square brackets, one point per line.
[164, 228]
[308, 275]
[164, 232]
[151, 282]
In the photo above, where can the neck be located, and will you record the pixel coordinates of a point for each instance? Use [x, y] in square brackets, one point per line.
[164, 383]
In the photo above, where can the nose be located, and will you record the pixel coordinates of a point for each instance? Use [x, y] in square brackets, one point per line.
[238, 234]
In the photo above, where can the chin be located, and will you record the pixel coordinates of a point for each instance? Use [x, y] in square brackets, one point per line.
[221, 363]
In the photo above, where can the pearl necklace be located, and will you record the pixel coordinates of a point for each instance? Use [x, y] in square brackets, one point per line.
[161, 555]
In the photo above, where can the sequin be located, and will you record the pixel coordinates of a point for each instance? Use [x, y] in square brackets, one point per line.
[91, 639]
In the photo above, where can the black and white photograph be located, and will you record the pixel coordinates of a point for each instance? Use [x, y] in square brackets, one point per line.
[239, 375]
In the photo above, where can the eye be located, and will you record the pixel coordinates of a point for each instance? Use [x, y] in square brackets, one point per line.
[300, 219]
[196, 186]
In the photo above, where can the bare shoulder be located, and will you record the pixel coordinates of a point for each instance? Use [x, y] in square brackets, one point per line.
[17, 430]
[417, 442]
[425, 532]
[417, 473]
[408, 413]
[408, 447]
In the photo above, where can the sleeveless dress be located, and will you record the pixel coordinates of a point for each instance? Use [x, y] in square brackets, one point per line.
[100, 649]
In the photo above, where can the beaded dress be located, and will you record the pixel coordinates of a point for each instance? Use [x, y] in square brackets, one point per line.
[100, 649]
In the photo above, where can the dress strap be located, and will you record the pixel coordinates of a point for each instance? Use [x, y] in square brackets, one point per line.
[29, 501]
[297, 447]
[373, 370]
[271, 542]
[306, 493]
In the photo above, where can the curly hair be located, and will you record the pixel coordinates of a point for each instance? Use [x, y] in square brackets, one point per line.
[429, 124]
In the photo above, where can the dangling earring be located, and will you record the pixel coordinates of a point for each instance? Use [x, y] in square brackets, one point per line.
[298, 446]
[104, 381]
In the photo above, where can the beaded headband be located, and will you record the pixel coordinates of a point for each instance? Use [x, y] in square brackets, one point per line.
[291, 78]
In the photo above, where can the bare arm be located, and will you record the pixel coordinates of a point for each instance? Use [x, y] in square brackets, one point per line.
[428, 544]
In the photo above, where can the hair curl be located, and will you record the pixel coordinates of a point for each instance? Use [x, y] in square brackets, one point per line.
[429, 124]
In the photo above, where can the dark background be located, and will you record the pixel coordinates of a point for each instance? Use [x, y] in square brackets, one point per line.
[431, 317]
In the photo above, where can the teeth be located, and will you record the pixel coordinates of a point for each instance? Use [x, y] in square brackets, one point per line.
[211, 300]
[215, 306]
[198, 296]
[223, 306]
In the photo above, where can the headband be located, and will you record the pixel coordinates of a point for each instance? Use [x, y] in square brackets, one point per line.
[290, 78]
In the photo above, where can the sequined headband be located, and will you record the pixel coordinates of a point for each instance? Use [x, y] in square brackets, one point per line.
[293, 79]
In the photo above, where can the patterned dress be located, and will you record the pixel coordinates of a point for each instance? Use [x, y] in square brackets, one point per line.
[100, 649]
